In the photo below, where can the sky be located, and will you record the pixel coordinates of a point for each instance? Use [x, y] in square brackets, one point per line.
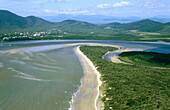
[117, 8]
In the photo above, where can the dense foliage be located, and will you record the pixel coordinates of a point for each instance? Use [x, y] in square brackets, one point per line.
[146, 58]
[130, 86]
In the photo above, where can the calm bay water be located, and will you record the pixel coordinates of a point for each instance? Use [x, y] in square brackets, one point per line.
[43, 80]
[44, 75]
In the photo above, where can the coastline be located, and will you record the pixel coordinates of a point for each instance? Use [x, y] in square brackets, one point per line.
[87, 96]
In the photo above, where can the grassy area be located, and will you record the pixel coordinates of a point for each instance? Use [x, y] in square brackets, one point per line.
[121, 36]
[130, 86]
[162, 37]
[146, 59]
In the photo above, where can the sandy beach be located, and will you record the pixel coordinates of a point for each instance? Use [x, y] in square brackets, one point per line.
[115, 59]
[87, 96]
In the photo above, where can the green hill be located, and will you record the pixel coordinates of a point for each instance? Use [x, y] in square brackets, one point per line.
[166, 28]
[143, 25]
[33, 21]
[73, 24]
[112, 25]
[11, 22]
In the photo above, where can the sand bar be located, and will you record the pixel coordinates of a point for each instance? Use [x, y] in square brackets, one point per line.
[115, 58]
[87, 96]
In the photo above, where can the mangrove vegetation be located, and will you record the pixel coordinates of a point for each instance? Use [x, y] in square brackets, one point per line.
[130, 86]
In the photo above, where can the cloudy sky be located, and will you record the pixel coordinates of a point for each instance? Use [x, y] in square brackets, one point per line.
[119, 8]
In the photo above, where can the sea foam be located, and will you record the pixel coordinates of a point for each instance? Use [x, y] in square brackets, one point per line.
[25, 76]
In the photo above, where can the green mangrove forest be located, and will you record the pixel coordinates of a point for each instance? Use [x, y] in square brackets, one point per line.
[146, 59]
[135, 86]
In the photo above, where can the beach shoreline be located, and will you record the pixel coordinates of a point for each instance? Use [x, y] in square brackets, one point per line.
[87, 97]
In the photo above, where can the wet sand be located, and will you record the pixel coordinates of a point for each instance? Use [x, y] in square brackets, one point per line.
[87, 96]
[115, 58]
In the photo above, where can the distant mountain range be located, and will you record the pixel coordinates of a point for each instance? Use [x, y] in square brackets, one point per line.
[12, 22]
[96, 19]
[100, 19]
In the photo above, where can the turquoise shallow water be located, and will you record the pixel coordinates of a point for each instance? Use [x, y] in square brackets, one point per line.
[43, 75]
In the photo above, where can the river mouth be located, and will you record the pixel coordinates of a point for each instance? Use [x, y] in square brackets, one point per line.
[45, 75]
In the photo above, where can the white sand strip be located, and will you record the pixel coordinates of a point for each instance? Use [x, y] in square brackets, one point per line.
[88, 94]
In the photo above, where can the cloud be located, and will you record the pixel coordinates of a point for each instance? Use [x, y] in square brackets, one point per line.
[120, 4]
[66, 11]
[104, 6]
